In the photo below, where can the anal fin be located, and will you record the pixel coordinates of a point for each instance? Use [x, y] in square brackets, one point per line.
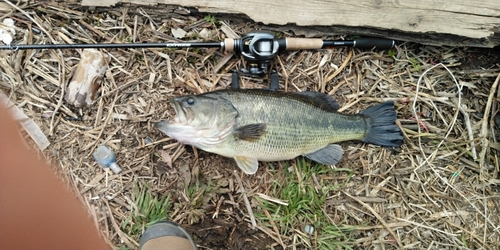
[249, 165]
[328, 155]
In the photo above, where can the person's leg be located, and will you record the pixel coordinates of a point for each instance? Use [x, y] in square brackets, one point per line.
[37, 211]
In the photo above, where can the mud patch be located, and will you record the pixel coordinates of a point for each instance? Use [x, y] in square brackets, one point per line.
[228, 233]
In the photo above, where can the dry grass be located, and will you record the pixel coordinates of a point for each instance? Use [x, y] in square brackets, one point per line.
[439, 190]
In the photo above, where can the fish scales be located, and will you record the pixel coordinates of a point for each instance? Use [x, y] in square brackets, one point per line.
[293, 125]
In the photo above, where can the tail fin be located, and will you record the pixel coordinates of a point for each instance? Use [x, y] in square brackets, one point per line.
[382, 125]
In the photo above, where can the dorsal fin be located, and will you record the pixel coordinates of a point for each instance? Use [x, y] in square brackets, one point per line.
[320, 100]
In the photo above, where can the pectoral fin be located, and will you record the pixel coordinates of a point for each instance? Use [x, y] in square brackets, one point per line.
[328, 155]
[249, 165]
[250, 132]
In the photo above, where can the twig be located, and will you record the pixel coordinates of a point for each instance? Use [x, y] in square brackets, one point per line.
[344, 64]
[123, 236]
[469, 132]
[60, 57]
[424, 226]
[484, 124]
[265, 230]
[386, 226]
[275, 228]
[105, 123]
[485, 142]
[285, 72]
[62, 81]
[247, 202]
[272, 199]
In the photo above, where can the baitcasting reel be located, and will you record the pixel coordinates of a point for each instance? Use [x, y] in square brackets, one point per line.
[259, 49]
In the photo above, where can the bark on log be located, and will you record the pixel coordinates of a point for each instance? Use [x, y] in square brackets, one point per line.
[437, 22]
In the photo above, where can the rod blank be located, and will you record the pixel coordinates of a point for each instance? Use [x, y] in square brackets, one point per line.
[112, 46]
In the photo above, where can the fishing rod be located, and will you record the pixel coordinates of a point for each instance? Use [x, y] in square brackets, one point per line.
[259, 48]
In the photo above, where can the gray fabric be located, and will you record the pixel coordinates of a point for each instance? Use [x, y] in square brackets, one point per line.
[165, 228]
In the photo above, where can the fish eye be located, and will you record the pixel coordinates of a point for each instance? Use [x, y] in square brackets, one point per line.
[190, 101]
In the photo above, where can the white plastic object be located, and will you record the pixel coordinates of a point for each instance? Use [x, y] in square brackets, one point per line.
[309, 229]
[105, 157]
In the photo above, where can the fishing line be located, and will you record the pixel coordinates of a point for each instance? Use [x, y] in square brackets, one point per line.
[426, 160]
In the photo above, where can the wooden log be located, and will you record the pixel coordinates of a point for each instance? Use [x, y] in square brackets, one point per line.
[436, 22]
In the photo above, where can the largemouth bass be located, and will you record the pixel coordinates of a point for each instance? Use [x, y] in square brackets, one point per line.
[251, 125]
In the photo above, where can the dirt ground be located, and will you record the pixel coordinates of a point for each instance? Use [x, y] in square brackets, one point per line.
[440, 190]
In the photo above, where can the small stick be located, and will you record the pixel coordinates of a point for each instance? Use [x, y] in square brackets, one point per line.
[469, 131]
[271, 199]
[247, 202]
[378, 217]
[346, 61]
[484, 124]
[427, 227]
[105, 123]
[266, 231]
[284, 72]
[483, 134]
[62, 81]
[123, 236]
[275, 228]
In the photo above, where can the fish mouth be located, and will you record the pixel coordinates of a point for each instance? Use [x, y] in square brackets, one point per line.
[182, 115]
[180, 119]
